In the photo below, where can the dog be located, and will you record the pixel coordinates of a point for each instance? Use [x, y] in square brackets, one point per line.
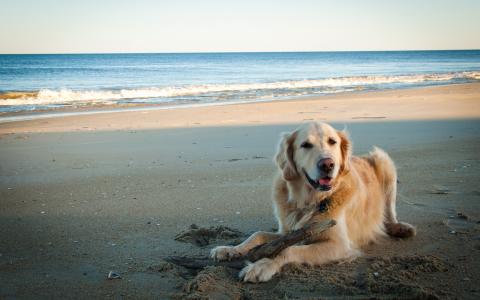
[319, 179]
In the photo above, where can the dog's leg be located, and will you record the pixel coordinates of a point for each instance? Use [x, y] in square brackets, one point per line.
[336, 248]
[313, 254]
[230, 252]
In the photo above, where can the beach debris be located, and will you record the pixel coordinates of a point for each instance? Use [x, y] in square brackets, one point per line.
[271, 249]
[205, 236]
[440, 190]
[113, 275]
[258, 157]
[234, 159]
[305, 234]
[162, 267]
[376, 274]
[367, 117]
[239, 159]
[309, 112]
[459, 223]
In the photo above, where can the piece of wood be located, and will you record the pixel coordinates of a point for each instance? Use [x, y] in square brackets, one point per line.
[199, 263]
[304, 234]
[271, 249]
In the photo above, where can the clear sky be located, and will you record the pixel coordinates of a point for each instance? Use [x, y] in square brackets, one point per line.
[84, 26]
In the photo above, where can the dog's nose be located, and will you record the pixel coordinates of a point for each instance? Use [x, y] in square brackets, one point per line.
[326, 164]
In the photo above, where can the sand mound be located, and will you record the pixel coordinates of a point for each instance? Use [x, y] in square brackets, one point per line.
[378, 277]
[383, 278]
[205, 236]
[213, 283]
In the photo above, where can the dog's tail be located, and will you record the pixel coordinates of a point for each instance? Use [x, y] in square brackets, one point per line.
[387, 175]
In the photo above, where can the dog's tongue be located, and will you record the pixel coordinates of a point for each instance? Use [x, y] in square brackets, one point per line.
[324, 181]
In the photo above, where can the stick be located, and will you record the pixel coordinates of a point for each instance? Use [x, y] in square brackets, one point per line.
[199, 263]
[271, 249]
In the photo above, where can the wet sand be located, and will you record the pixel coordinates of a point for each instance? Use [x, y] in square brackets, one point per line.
[82, 196]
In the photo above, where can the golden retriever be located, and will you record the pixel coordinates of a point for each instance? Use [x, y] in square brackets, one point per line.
[319, 179]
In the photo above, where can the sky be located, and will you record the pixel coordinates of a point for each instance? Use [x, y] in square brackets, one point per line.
[105, 26]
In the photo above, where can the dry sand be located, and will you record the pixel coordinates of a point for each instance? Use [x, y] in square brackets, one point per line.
[82, 196]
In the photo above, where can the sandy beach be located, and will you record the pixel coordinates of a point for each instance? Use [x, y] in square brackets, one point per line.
[85, 195]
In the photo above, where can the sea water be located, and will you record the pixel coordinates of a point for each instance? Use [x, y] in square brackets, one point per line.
[49, 81]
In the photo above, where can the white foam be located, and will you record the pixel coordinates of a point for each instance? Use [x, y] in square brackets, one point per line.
[121, 110]
[52, 97]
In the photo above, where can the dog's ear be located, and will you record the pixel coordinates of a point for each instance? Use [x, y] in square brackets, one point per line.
[284, 157]
[346, 150]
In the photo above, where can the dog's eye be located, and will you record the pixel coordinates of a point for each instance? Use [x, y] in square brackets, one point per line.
[306, 145]
[332, 141]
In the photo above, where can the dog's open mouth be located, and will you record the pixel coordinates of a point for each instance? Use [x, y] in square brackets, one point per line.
[321, 184]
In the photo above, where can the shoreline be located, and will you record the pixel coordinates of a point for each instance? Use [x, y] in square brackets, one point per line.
[433, 102]
[67, 111]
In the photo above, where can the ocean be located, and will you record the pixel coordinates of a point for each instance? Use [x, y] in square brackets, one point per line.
[52, 81]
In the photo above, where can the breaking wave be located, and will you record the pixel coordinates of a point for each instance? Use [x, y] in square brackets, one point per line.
[329, 85]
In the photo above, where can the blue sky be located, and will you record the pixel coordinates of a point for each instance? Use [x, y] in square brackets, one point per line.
[68, 26]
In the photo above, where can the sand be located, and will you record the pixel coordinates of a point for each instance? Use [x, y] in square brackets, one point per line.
[82, 196]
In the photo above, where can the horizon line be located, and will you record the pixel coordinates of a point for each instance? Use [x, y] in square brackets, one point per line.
[233, 52]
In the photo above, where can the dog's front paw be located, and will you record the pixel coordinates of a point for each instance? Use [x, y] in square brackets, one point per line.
[224, 253]
[260, 271]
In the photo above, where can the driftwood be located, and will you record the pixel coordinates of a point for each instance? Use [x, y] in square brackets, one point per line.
[199, 263]
[271, 249]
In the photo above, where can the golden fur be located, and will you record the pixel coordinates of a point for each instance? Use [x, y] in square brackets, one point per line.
[361, 198]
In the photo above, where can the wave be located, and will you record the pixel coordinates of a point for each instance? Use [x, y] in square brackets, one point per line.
[62, 96]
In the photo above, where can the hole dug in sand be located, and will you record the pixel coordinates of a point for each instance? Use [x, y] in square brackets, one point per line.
[205, 236]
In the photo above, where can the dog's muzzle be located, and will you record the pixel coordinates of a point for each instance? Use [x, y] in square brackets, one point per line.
[320, 184]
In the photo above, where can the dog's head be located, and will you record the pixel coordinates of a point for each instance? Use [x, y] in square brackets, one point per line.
[315, 153]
